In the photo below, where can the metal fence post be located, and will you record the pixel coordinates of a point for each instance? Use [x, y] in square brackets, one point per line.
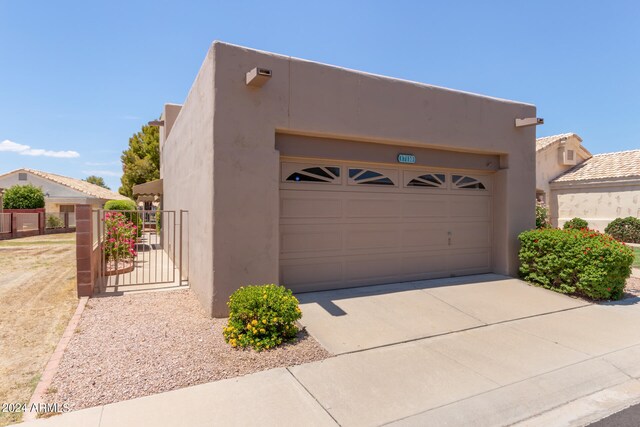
[14, 225]
[181, 242]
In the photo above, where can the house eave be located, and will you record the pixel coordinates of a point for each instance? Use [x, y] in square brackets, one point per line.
[596, 183]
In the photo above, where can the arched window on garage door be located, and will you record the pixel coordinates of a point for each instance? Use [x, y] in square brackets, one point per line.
[328, 174]
[467, 182]
[429, 180]
[361, 176]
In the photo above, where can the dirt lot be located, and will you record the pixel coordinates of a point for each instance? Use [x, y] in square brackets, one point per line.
[140, 344]
[38, 297]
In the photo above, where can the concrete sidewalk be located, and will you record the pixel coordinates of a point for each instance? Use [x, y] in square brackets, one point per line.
[518, 369]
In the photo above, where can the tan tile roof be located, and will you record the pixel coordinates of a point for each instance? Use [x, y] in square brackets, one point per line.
[621, 164]
[546, 141]
[89, 189]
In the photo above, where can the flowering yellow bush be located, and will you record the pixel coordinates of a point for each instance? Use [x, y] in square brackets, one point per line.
[261, 317]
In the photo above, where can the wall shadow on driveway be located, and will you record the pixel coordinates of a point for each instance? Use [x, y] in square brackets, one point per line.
[325, 299]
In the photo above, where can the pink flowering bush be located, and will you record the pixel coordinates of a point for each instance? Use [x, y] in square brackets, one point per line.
[120, 238]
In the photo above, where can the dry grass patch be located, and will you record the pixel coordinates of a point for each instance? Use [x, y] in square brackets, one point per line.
[38, 294]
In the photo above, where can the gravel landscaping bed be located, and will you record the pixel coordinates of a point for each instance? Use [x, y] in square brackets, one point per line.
[136, 345]
[632, 287]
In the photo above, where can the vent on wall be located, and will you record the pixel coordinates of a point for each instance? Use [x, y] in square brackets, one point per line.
[567, 156]
[22, 176]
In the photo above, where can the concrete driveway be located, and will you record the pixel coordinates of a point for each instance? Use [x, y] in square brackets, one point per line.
[482, 351]
[349, 320]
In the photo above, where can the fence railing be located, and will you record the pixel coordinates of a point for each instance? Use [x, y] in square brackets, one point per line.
[5, 223]
[95, 224]
[60, 220]
[27, 222]
[16, 223]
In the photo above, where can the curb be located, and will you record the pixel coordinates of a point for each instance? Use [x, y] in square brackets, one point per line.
[588, 409]
[54, 361]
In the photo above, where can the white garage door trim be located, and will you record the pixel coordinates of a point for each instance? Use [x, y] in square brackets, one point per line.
[345, 224]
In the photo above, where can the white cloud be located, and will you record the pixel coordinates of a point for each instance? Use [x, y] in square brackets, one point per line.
[26, 150]
[14, 147]
[103, 173]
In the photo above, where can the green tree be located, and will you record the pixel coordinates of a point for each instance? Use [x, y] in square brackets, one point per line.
[23, 197]
[141, 161]
[96, 180]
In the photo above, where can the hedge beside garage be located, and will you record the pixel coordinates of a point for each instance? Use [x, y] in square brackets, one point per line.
[577, 262]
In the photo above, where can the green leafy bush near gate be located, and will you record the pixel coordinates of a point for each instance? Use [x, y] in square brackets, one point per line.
[23, 197]
[120, 205]
[126, 205]
[577, 223]
[261, 317]
[54, 222]
[579, 262]
[624, 229]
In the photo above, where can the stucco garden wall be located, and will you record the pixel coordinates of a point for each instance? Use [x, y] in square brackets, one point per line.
[597, 203]
[228, 170]
[187, 172]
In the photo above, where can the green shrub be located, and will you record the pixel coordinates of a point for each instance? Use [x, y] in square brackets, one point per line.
[580, 262]
[261, 317]
[577, 223]
[53, 221]
[120, 205]
[23, 197]
[625, 229]
[126, 205]
[542, 215]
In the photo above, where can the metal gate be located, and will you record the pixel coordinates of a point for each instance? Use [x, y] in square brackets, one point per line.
[142, 249]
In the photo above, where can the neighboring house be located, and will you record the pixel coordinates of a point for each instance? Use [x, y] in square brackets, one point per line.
[597, 188]
[555, 155]
[318, 177]
[61, 192]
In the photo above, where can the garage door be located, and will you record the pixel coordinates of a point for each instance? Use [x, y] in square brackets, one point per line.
[350, 224]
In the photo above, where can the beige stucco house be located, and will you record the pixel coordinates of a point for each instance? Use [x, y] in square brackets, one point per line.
[554, 156]
[61, 192]
[319, 177]
[597, 188]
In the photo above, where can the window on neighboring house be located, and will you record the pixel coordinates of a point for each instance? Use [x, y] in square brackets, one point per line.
[570, 155]
[369, 177]
[22, 176]
[467, 182]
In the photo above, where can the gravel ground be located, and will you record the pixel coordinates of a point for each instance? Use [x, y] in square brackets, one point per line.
[632, 288]
[136, 345]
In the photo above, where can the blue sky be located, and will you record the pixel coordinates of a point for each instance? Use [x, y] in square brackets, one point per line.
[79, 77]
